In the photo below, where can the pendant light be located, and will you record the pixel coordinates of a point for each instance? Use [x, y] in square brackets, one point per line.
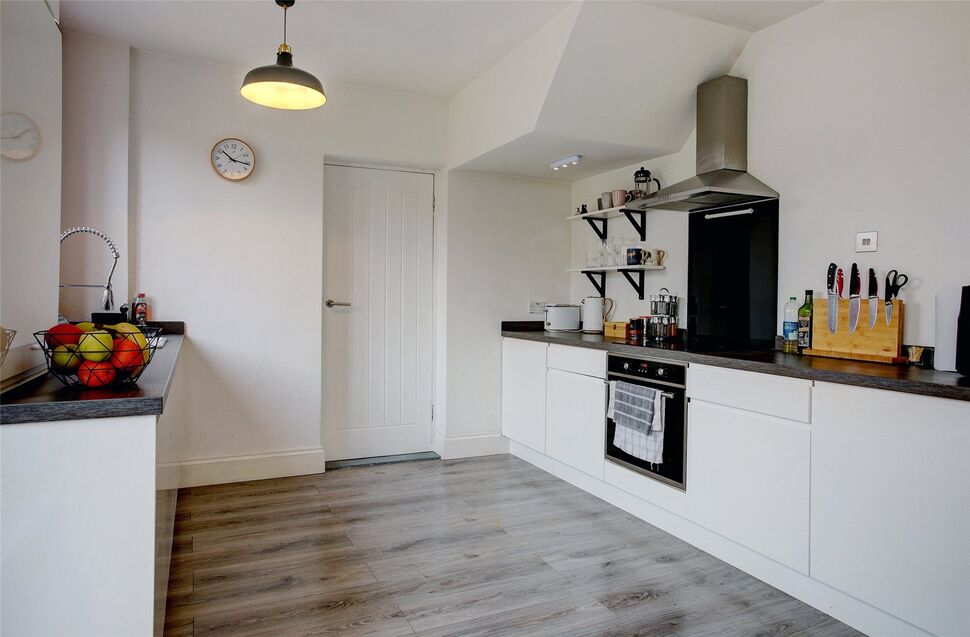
[282, 85]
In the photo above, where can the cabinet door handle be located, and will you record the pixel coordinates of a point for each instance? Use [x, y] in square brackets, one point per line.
[332, 303]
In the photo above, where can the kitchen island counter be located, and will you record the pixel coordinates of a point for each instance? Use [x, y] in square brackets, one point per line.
[900, 378]
[46, 399]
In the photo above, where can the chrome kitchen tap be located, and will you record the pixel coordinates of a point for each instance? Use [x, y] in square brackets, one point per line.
[107, 299]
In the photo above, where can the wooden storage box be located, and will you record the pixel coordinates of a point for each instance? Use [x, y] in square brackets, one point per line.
[614, 329]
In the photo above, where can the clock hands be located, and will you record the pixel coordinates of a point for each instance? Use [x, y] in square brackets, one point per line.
[223, 151]
[22, 133]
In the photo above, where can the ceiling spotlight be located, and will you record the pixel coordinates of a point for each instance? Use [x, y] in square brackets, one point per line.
[565, 162]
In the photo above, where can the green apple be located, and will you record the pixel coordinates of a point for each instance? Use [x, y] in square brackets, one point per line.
[65, 357]
[86, 326]
[95, 346]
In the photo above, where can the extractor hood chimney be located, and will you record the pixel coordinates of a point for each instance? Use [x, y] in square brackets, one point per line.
[722, 155]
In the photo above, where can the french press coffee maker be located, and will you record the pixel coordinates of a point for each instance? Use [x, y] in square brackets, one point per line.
[642, 180]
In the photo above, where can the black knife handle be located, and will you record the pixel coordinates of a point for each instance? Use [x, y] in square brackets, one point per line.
[855, 282]
[831, 277]
[873, 283]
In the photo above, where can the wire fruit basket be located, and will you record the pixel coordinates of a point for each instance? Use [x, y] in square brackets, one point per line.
[6, 338]
[100, 357]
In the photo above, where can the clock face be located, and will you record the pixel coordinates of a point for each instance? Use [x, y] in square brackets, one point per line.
[19, 137]
[233, 159]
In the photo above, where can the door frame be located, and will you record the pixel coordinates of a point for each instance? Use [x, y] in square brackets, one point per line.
[436, 328]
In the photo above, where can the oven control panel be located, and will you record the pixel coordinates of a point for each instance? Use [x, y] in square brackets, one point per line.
[648, 369]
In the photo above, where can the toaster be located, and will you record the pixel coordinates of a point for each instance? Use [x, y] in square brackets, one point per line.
[562, 317]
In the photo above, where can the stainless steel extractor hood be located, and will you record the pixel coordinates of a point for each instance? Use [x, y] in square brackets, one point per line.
[722, 155]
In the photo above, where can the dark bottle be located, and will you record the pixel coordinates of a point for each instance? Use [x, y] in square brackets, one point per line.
[805, 322]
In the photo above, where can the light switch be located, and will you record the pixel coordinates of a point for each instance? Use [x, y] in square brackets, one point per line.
[866, 241]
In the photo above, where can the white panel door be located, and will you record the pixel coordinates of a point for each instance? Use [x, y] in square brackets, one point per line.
[377, 350]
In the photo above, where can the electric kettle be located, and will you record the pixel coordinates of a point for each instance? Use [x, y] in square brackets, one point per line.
[595, 310]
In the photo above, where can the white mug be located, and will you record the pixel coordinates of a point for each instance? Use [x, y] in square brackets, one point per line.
[654, 256]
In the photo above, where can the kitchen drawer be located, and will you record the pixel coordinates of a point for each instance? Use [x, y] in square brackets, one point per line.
[578, 360]
[789, 398]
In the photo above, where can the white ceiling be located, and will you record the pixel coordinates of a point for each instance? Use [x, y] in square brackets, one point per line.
[430, 48]
[750, 15]
[640, 87]
[530, 155]
[615, 105]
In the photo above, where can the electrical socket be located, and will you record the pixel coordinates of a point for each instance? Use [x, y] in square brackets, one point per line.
[537, 307]
[866, 241]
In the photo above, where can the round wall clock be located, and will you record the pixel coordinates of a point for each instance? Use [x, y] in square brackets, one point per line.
[19, 137]
[233, 159]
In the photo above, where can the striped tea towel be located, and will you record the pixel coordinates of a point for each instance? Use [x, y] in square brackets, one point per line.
[637, 412]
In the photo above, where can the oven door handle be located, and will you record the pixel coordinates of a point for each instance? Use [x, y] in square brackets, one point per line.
[667, 395]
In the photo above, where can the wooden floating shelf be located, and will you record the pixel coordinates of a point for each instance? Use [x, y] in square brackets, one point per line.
[598, 220]
[617, 268]
[608, 213]
[632, 273]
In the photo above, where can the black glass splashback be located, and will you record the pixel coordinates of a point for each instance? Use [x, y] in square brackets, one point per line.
[732, 288]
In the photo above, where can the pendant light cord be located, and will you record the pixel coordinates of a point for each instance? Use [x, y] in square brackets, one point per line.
[284, 24]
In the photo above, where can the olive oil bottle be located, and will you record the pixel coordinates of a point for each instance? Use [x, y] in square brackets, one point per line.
[805, 322]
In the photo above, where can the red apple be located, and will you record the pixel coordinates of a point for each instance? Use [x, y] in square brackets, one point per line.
[126, 356]
[63, 334]
[95, 374]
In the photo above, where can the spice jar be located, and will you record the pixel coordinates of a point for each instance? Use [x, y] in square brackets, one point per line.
[634, 331]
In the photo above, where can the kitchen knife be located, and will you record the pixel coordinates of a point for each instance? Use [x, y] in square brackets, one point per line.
[873, 298]
[855, 287]
[833, 299]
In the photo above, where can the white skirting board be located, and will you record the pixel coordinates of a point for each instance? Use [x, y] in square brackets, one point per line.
[449, 447]
[849, 610]
[279, 464]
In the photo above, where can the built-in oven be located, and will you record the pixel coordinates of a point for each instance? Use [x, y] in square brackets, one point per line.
[669, 378]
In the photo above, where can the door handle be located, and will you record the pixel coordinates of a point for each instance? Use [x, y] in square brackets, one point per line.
[332, 303]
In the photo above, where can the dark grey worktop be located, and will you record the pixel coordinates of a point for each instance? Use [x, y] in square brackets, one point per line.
[901, 378]
[46, 399]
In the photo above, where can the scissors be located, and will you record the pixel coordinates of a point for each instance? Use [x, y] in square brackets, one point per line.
[894, 282]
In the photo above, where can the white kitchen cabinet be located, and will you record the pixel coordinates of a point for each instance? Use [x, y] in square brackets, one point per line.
[891, 502]
[576, 420]
[524, 392]
[748, 480]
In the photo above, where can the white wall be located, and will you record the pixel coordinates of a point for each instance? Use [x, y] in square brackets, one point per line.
[30, 193]
[507, 245]
[857, 115]
[95, 170]
[241, 263]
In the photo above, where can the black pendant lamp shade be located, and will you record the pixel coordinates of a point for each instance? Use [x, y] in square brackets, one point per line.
[282, 85]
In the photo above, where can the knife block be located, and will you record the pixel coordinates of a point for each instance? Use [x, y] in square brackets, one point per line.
[881, 343]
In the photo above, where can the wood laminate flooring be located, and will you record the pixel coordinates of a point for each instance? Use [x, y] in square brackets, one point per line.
[481, 546]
